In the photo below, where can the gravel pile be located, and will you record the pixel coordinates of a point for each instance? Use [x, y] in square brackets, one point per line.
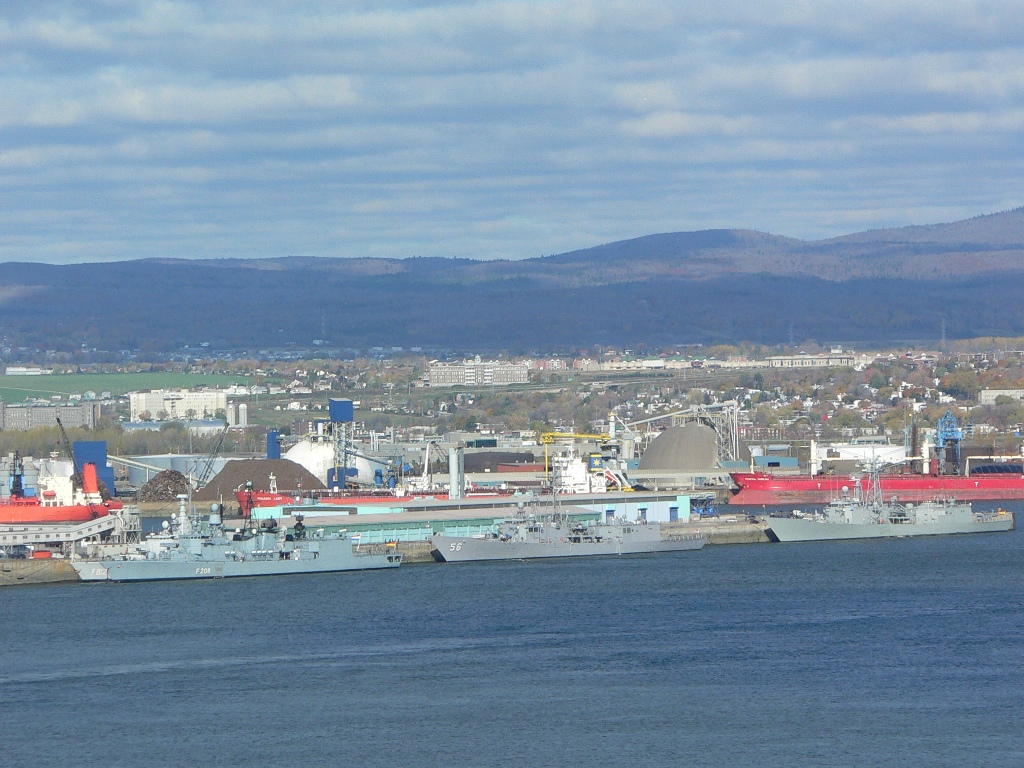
[290, 477]
[164, 486]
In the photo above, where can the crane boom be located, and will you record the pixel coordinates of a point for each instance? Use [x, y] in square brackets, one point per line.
[204, 475]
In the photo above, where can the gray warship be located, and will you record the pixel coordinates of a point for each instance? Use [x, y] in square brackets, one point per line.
[192, 548]
[525, 538]
[853, 517]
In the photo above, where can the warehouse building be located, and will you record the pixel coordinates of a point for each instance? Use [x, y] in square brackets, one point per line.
[31, 416]
[477, 373]
[176, 405]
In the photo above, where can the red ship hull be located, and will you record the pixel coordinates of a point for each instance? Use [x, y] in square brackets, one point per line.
[761, 488]
[26, 510]
[247, 500]
[30, 512]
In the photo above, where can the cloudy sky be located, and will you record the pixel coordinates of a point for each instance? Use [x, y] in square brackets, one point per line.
[494, 129]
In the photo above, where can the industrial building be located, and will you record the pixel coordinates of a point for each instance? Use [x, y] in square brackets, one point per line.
[988, 396]
[176, 404]
[833, 360]
[477, 373]
[24, 416]
[418, 520]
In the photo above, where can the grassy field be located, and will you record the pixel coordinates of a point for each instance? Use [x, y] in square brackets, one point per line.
[16, 389]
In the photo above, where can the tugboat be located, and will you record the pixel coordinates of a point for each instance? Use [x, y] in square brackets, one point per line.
[192, 548]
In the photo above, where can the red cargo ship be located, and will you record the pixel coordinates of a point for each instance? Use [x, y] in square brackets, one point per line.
[19, 509]
[763, 488]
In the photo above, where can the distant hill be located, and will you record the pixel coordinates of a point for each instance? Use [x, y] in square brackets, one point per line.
[715, 285]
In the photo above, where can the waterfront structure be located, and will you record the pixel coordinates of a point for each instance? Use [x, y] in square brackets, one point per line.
[176, 404]
[25, 416]
[477, 373]
[417, 519]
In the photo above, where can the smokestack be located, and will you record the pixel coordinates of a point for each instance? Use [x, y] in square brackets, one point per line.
[89, 482]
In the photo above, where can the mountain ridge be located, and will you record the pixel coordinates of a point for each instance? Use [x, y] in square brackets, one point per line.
[663, 288]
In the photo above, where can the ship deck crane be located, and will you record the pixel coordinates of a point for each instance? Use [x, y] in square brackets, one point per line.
[69, 449]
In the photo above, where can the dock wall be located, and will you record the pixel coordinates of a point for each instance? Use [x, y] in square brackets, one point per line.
[35, 572]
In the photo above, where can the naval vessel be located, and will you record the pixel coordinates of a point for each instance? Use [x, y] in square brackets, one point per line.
[192, 548]
[557, 537]
[851, 517]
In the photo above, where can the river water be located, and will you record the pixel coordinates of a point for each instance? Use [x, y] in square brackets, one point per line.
[906, 652]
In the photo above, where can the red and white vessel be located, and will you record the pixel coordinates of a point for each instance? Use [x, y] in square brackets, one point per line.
[763, 488]
[998, 478]
[56, 500]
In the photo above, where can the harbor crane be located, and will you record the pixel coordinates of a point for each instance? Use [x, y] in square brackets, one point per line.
[206, 473]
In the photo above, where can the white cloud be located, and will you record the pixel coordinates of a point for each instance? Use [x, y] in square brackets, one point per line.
[687, 124]
[493, 128]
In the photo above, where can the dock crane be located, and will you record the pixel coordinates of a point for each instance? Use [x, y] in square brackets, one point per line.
[613, 473]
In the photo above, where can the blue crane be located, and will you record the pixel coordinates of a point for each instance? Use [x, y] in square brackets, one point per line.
[948, 437]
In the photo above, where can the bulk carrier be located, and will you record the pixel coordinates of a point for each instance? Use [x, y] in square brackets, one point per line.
[55, 500]
[938, 478]
[763, 488]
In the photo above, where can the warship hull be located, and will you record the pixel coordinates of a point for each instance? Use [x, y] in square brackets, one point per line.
[552, 542]
[222, 562]
[805, 529]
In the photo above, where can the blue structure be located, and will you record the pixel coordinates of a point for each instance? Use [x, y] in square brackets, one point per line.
[333, 479]
[341, 410]
[95, 452]
[948, 437]
[273, 444]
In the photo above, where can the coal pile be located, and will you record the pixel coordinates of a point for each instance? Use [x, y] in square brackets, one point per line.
[289, 476]
[164, 486]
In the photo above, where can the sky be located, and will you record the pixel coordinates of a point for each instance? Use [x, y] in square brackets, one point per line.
[492, 130]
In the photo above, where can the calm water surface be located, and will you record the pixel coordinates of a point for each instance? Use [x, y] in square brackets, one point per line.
[905, 652]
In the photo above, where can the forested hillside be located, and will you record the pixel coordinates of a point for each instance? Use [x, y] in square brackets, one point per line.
[711, 286]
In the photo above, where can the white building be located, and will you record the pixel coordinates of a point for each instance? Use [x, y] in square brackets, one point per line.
[25, 416]
[477, 373]
[988, 396]
[176, 404]
[811, 361]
